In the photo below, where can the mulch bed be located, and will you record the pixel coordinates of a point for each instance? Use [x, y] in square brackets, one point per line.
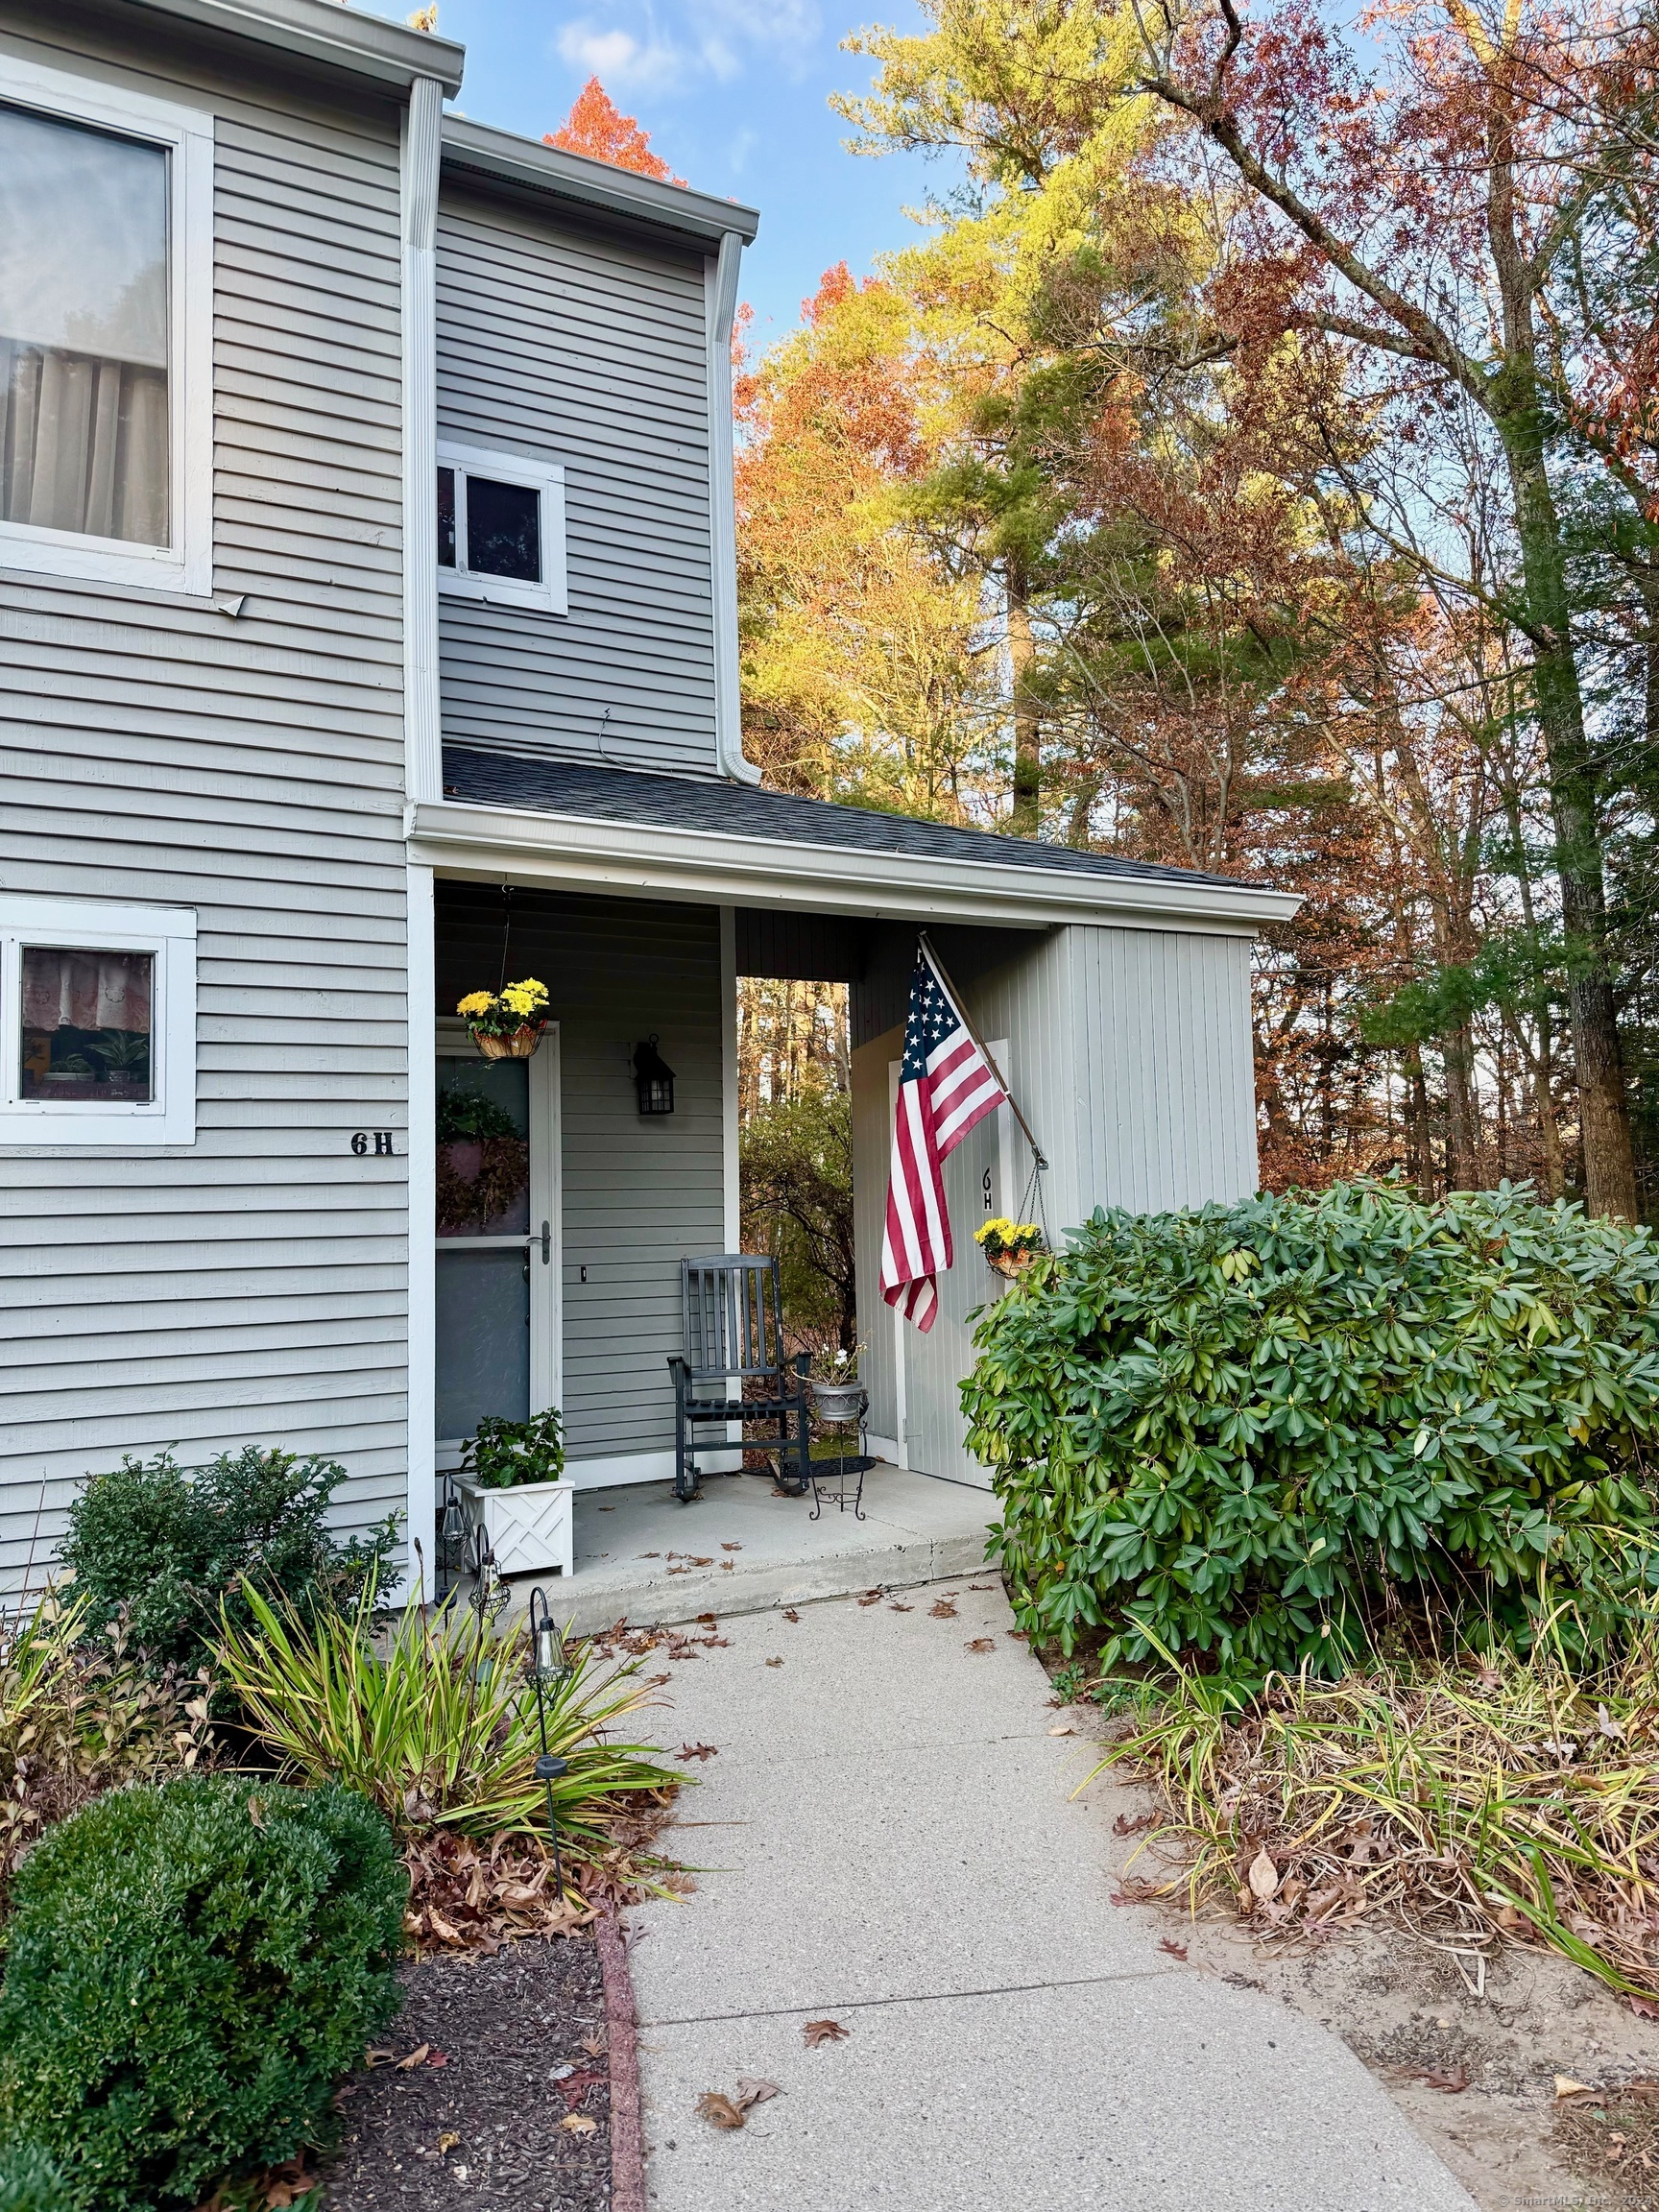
[516, 2044]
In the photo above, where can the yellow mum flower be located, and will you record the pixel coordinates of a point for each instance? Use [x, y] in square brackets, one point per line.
[477, 1002]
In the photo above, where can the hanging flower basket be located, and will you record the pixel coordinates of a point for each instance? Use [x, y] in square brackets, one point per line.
[507, 1024]
[1010, 1246]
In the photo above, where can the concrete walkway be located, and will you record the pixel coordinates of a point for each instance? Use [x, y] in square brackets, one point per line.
[889, 1841]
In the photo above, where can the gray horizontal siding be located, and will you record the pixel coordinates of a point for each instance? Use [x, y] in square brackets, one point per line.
[638, 1196]
[253, 1287]
[567, 345]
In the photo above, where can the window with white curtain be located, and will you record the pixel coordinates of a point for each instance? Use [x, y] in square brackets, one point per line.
[98, 1016]
[104, 272]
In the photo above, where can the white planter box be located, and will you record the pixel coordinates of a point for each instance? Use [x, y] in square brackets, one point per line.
[531, 1528]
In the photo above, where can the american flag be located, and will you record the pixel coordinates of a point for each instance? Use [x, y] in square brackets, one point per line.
[945, 1085]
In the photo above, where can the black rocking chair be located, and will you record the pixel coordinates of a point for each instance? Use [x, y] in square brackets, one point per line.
[734, 1333]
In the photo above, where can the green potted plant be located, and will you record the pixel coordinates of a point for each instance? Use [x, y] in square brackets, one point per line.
[1010, 1246]
[512, 1487]
[507, 1024]
[126, 1057]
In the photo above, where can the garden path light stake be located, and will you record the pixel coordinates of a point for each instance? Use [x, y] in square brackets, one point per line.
[547, 1665]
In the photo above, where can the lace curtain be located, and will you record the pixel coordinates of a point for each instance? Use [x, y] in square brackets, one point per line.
[85, 990]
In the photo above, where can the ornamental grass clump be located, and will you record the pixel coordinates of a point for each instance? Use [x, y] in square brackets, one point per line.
[436, 1723]
[1497, 1798]
[191, 1969]
[1251, 1430]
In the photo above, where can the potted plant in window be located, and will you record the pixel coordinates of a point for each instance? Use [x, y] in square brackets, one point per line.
[511, 1487]
[126, 1057]
[507, 1024]
[1010, 1246]
[839, 1395]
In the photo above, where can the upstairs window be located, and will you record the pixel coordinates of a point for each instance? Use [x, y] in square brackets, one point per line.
[502, 528]
[104, 399]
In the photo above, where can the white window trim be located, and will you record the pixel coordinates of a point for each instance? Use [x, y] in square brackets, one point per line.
[169, 933]
[547, 478]
[187, 133]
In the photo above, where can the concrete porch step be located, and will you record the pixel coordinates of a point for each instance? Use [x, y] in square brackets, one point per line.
[643, 1556]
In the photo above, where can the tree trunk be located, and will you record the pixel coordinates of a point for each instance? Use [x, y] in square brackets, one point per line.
[1027, 818]
[1609, 1164]
[1424, 1163]
[1463, 1114]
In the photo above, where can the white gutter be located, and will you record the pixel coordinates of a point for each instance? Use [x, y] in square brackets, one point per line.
[720, 308]
[717, 869]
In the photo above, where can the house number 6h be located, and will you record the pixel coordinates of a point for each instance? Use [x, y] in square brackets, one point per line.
[375, 1141]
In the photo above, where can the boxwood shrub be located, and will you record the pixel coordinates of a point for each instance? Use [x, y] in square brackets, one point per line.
[30, 2182]
[191, 1969]
[1252, 1430]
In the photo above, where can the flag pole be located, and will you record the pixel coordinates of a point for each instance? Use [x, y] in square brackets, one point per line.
[955, 997]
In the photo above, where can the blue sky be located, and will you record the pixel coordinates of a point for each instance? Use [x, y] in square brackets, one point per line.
[734, 95]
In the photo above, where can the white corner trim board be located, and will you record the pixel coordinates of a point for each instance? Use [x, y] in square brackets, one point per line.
[422, 742]
[720, 307]
[185, 564]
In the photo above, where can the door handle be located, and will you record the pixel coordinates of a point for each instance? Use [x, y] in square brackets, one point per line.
[547, 1242]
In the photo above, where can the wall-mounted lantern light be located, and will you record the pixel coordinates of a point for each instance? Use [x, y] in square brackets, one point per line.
[653, 1079]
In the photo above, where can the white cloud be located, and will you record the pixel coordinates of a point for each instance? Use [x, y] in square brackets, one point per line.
[701, 38]
[621, 61]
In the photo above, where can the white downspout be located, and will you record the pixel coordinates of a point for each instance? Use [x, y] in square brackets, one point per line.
[423, 780]
[720, 303]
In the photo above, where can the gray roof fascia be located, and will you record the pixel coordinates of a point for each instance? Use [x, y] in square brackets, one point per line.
[533, 167]
[324, 30]
[463, 838]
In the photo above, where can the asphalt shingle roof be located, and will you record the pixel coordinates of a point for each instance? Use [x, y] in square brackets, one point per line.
[723, 808]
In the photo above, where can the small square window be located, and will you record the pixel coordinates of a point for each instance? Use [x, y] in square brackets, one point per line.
[98, 1014]
[86, 1028]
[501, 529]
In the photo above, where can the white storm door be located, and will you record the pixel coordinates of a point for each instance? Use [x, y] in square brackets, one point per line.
[499, 1335]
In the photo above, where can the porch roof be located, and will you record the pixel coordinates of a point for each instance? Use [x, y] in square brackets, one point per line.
[708, 839]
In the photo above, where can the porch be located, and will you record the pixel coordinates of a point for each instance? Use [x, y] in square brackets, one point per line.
[741, 1549]
[1114, 997]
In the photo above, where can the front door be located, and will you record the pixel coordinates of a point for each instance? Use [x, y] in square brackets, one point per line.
[498, 1236]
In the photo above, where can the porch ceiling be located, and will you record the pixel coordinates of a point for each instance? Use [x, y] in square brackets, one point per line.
[718, 843]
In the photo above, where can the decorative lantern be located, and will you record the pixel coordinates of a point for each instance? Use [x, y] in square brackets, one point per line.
[548, 1667]
[653, 1079]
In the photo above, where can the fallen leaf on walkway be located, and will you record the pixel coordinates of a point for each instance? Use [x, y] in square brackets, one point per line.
[751, 2090]
[816, 2032]
[731, 1546]
[1174, 1949]
[900, 1608]
[1263, 1876]
[678, 1570]
[1566, 2087]
[698, 1750]
[650, 1555]
[1454, 2081]
[719, 2111]
[708, 1562]
[981, 1585]
[1019, 1635]
[727, 1566]
[872, 1597]
[578, 2124]
[707, 1619]
[1062, 1728]
[790, 1614]
[1126, 1824]
[943, 1610]
[982, 1644]
[773, 1662]
[1644, 2009]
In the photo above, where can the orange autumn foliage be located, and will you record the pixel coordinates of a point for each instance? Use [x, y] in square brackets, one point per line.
[596, 128]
